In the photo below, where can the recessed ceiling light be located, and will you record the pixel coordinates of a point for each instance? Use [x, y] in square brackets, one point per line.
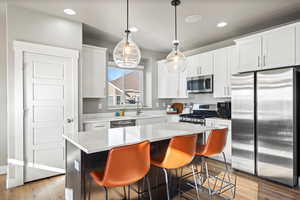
[222, 24]
[193, 18]
[133, 29]
[69, 11]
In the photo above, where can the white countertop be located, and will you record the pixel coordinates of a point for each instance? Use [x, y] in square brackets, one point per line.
[127, 117]
[108, 138]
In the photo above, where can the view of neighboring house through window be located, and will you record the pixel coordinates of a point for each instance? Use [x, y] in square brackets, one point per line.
[125, 86]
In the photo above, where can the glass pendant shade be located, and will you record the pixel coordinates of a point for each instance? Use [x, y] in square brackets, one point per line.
[127, 54]
[176, 61]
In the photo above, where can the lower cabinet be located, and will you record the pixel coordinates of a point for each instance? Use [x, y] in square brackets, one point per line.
[222, 123]
[95, 126]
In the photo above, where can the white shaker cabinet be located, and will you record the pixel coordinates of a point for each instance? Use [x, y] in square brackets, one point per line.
[93, 71]
[233, 60]
[298, 44]
[192, 65]
[170, 85]
[249, 53]
[279, 48]
[270, 49]
[95, 126]
[206, 63]
[161, 79]
[200, 64]
[221, 77]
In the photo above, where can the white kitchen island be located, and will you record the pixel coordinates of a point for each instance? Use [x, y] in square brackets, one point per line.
[85, 150]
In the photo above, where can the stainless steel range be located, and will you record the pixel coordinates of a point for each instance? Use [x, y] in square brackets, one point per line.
[199, 113]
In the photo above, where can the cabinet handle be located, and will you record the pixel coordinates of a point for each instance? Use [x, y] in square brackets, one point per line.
[99, 126]
[264, 60]
[225, 91]
[258, 61]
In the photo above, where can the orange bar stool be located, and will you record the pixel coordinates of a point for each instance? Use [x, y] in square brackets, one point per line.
[215, 145]
[125, 165]
[180, 152]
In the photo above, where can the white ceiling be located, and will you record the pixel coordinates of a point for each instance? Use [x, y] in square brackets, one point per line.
[155, 18]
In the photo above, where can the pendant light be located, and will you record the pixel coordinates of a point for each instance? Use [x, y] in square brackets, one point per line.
[127, 54]
[176, 61]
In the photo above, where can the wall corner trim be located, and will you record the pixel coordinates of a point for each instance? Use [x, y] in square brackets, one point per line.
[3, 169]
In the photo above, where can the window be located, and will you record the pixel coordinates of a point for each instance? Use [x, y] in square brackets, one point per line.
[125, 86]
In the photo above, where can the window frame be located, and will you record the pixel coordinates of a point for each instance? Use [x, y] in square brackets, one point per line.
[122, 105]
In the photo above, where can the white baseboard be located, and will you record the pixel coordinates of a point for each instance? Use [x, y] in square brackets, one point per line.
[3, 169]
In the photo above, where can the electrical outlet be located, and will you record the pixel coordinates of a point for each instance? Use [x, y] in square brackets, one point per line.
[99, 106]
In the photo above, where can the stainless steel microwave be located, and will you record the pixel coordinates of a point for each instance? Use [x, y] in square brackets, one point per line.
[200, 84]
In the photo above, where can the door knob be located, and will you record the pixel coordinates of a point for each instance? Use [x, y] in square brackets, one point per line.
[69, 120]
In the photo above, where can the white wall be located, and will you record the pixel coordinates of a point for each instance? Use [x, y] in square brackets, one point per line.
[32, 26]
[3, 96]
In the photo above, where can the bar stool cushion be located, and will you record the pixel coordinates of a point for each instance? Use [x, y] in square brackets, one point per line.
[215, 143]
[125, 165]
[180, 152]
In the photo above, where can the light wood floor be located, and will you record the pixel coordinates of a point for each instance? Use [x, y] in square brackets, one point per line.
[248, 188]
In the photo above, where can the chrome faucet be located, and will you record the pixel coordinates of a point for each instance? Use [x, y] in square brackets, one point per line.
[139, 109]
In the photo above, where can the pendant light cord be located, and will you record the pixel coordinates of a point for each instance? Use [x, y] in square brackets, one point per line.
[127, 25]
[175, 22]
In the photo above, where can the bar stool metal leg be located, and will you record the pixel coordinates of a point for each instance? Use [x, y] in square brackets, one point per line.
[90, 183]
[167, 183]
[106, 194]
[128, 192]
[124, 191]
[149, 188]
[207, 178]
[195, 182]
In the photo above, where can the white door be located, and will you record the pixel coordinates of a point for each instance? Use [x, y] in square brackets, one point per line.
[279, 48]
[50, 110]
[249, 51]
[220, 73]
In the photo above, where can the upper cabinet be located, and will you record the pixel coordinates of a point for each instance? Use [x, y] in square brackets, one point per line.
[206, 63]
[222, 73]
[170, 85]
[279, 48]
[225, 64]
[200, 64]
[298, 44]
[233, 60]
[249, 52]
[270, 49]
[93, 72]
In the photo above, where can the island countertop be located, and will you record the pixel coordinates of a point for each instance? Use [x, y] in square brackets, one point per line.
[108, 138]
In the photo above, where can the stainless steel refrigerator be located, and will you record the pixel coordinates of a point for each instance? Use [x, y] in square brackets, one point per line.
[264, 124]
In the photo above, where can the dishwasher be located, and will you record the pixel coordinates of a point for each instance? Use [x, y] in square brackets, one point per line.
[122, 123]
